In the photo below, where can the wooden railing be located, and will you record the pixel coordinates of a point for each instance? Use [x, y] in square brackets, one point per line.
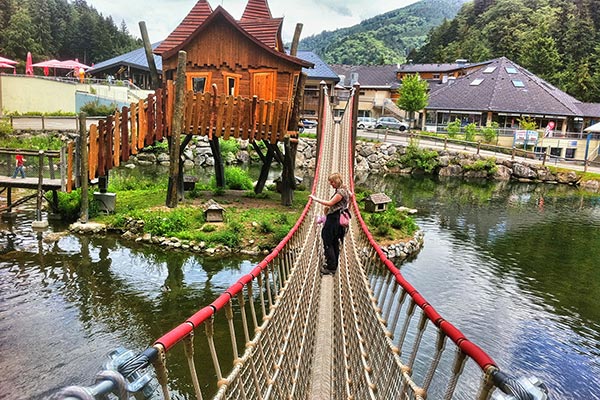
[124, 133]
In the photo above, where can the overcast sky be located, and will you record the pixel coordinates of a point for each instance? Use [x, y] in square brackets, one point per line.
[162, 16]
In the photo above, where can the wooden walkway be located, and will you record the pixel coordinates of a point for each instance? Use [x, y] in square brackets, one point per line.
[30, 183]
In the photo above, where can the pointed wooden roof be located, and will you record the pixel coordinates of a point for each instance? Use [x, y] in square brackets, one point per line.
[219, 14]
[256, 9]
[256, 20]
[190, 23]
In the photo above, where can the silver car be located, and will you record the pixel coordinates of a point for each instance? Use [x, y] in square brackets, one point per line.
[391, 123]
[366, 122]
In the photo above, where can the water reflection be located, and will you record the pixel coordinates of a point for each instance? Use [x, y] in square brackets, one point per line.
[64, 304]
[516, 274]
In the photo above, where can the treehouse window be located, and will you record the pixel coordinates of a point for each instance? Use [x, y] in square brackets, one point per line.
[198, 82]
[232, 83]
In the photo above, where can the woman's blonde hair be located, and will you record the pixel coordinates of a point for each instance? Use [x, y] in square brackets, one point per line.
[336, 178]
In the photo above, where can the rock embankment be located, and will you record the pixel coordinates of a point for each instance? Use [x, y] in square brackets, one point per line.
[373, 158]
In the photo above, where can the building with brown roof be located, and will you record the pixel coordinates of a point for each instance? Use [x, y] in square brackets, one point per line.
[244, 57]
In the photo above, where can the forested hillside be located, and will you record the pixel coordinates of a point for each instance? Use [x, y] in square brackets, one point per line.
[384, 39]
[555, 39]
[60, 29]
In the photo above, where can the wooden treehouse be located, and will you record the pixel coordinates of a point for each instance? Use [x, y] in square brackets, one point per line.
[239, 83]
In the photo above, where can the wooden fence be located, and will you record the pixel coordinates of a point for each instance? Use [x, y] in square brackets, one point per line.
[124, 133]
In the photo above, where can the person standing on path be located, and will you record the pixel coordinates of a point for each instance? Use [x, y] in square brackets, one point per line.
[20, 168]
[332, 232]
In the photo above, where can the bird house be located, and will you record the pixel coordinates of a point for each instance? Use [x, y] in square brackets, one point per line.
[377, 202]
[213, 212]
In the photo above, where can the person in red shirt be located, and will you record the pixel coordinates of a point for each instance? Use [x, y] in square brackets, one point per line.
[20, 168]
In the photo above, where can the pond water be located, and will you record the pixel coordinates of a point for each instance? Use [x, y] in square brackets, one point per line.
[517, 275]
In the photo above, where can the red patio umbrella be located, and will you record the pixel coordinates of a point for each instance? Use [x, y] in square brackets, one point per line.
[73, 64]
[6, 65]
[6, 60]
[29, 64]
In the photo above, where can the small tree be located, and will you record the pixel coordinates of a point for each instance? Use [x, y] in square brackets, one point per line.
[470, 131]
[413, 95]
[453, 128]
[490, 132]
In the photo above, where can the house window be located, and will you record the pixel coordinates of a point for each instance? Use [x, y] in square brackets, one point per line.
[511, 70]
[232, 83]
[489, 70]
[198, 82]
[476, 82]
[556, 151]
[436, 76]
[518, 83]
[570, 153]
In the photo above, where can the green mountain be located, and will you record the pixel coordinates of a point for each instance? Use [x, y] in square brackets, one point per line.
[385, 38]
[555, 39]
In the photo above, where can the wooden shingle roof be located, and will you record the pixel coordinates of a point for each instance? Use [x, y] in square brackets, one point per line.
[256, 9]
[190, 23]
[265, 30]
[379, 198]
[219, 15]
[256, 20]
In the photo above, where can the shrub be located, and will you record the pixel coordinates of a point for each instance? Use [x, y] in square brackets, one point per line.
[488, 165]
[5, 128]
[453, 128]
[235, 179]
[490, 132]
[230, 146]
[166, 223]
[470, 131]
[416, 158]
[94, 108]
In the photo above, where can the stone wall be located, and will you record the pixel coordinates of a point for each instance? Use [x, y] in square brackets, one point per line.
[385, 158]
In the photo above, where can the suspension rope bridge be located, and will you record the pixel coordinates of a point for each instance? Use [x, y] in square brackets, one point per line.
[363, 333]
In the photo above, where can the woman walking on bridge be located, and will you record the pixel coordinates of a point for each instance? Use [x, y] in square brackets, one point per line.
[332, 232]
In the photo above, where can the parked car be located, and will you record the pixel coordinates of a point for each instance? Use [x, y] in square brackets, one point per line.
[391, 123]
[306, 124]
[366, 122]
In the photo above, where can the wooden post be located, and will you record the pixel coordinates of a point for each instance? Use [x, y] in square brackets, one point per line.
[296, 40]
[354, 120]
[177, 124]
[154, 78]
[288, 180]
[84, 171]
[38, 223]
[478, 146]
[320, 127]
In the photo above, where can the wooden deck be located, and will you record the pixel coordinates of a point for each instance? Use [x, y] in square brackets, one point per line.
[30, 183]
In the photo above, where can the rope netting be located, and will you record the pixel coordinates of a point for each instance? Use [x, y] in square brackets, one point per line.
[386, 341]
